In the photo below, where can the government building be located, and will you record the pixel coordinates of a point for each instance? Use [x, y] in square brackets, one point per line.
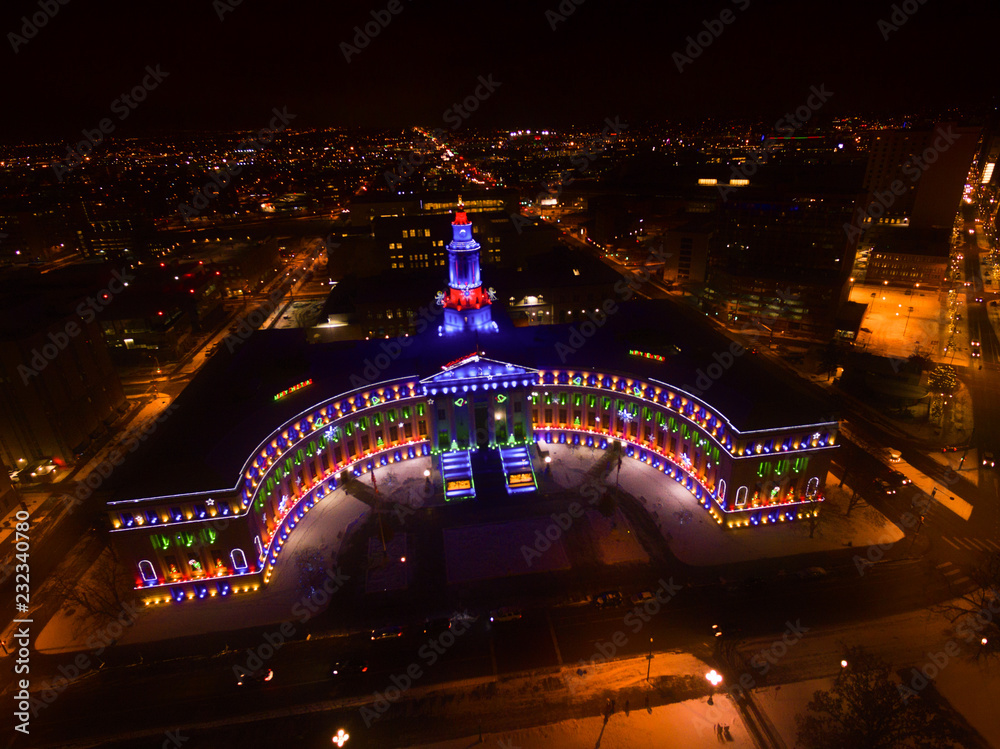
[273, 424]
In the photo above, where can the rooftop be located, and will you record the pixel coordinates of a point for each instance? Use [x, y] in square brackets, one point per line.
[230, 408]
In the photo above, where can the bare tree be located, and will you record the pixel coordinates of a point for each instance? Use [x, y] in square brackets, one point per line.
[867, 709]
[973, 614]
[103, 592]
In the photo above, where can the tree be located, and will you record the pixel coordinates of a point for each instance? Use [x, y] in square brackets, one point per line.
[103, 593]
[973, 613]
[920, 361]
[868, 709]
[943, 379]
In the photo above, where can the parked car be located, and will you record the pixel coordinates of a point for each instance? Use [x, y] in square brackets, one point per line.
[348, 667]
[608, 599]
[640, 598]
[254, 678]
[988, 460]
[811, 573]
[387, 633]
[505, 614]
[437, 626]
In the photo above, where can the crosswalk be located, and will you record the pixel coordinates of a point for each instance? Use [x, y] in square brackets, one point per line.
[971, 544]
[952, 573]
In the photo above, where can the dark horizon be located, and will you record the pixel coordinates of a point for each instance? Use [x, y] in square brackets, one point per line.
[597, 62]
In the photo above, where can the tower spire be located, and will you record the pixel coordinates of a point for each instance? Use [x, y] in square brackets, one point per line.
[466, 305]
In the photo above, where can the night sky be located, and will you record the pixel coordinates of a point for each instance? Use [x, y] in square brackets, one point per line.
[606, 59]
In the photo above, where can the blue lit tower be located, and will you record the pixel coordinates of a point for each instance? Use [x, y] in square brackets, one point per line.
[466, 305]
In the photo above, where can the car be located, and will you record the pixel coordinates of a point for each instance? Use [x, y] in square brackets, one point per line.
[608, 599]
[895, 456]
[348, 667]
[254, 678]
[885, 486]
[387, 633]
[811, 573]
[642, 597]
[463, 618]
[898, 479]
[505, 614]
[437, 626]
[988, 460]
[43, 468]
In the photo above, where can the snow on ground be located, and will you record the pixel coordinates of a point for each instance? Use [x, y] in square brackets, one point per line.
[970, 466]
[323, 527]
[515, 547]
[907, 641]
[971, 688]
[616, 542]
[697, 539]
[682, 725]
[780, 704]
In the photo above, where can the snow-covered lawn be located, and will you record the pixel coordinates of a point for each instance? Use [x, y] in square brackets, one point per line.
[696, 538]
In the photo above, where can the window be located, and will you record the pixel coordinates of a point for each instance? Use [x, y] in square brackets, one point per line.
[812, 488]
[239, 559]
[741, 496]
[722, 490]
[147, 572]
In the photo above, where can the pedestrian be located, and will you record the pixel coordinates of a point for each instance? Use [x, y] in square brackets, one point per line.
[612, 703]
[647, 704]
[626, 708]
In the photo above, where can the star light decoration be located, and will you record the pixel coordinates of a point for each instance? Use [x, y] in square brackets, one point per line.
[209, 502]
[626, 416]
[332, 434]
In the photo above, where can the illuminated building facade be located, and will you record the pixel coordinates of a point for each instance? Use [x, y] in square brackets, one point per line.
[466, 305]
[255, 443]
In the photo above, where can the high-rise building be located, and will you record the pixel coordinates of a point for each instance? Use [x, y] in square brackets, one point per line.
[915, 176]
[58, 389]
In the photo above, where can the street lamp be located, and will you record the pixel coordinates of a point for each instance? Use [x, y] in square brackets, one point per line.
[340, 738]
[714, 678]
[649, 658]
[843, 664]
